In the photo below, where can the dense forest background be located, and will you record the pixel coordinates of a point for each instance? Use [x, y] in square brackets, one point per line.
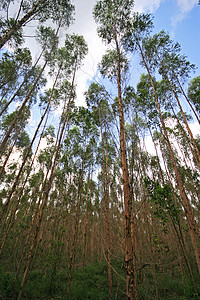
[99, 201]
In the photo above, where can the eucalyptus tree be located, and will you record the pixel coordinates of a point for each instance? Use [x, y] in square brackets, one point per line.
[160, 211]
[58, 11]
[97, 97]
[48, 156]
[113, 19]
[13, 67]
[27, 154]
[19, 139]
[172, 65]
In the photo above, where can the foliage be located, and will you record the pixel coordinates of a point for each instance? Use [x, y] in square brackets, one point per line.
[194, 92]
[163, 199]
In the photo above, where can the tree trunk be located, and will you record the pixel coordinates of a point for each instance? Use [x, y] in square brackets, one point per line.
[183, 115]
[130, 284]
[86, 219]
[23, 164]
[6, 37]
[106, 205]
[188, 101]
[74, 241]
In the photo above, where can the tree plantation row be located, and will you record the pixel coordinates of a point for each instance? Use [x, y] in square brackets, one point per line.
[96, 213]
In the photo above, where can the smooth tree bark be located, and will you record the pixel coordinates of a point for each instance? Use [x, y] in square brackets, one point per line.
[86, 220]
[127, 195]
[106, 204]
[76, 228]
[96, 97]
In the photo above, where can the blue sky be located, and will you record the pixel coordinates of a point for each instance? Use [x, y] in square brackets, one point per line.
[183, 27]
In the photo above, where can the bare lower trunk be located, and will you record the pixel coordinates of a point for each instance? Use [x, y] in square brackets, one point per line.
[86, 220]
[106, 205]
[130, 280]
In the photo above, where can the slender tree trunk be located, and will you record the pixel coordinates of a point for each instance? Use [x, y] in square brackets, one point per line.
[22, 166]
[106, 205]
[29, 149]
[141, 170]
[86, 219]
[75, 236]
[6, 37]
[179, 236]
[188, 101]
[14, 142]
[187, 138]
[43, 186]
[130, 284]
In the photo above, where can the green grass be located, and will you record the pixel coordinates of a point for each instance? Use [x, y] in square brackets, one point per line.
[91, 283]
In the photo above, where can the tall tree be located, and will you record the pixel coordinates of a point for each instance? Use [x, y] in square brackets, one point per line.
[97, 96]
[113, 19]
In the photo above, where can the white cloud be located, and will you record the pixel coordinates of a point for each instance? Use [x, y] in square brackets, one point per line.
[184, 7]
[195, 129]
[31, 121]
[89, 67]
[17, 104]
[147, 6]
[86, 26]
